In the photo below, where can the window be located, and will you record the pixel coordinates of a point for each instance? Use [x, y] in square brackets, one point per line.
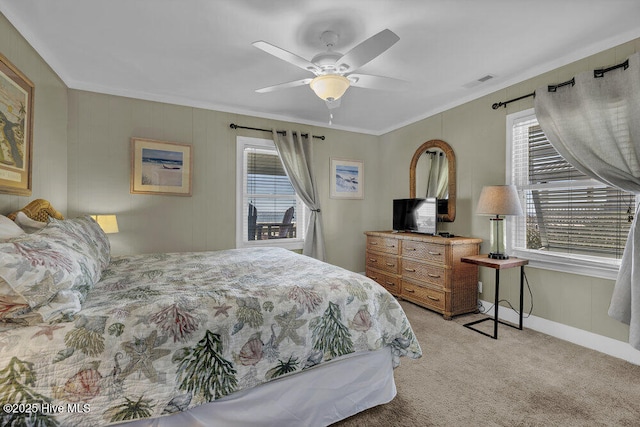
[268, 210]
[572, 222]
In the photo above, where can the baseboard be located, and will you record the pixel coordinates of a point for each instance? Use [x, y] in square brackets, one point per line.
[610, 346]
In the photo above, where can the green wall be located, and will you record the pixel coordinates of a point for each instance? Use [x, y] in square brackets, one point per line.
[477, 134]
[100, 129]
[82, 164]
[49, 168]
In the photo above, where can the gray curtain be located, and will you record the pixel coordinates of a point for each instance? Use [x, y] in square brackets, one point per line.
[437, 175]
[595, 125]
[296, 154]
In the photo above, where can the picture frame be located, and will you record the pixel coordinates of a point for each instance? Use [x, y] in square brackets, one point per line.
[16, 138]
[161, 167]
[346, 179]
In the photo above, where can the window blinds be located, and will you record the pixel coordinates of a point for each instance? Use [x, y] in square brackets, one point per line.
[267, 186]
[565, 210]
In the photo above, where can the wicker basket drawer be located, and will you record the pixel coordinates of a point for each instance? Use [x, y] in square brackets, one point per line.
[390, 283]
[427, 296]
[382, 244]
[387, 263]
[421, 272]
[422, 250]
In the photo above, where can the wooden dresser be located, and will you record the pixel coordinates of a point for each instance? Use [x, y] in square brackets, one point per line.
[425, 269]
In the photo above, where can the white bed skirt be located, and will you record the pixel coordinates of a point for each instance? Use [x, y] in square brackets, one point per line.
[317, 397]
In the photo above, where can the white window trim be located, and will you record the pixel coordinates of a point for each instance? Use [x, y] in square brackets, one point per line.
[241, 143]
[567, 263]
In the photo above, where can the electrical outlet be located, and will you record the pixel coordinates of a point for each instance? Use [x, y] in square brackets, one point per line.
[479, 287]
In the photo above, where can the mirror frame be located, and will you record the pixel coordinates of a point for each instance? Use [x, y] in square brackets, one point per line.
[450, 216]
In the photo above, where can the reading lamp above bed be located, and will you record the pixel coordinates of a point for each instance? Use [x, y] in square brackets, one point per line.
[108, 223]
[38, 210]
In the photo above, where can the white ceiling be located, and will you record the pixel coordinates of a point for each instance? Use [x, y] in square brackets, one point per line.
[199, 53]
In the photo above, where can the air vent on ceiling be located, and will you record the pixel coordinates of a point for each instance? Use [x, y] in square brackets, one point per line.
[479, 81]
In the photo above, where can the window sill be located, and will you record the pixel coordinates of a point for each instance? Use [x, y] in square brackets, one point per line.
[280, 243]
[574, 264]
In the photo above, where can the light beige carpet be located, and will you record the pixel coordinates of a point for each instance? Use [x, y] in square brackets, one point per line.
[524, 378]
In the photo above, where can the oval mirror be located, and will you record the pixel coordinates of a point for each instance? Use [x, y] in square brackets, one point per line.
[432, 173]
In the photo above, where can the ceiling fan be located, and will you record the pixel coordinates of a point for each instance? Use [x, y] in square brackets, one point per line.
[334, 71]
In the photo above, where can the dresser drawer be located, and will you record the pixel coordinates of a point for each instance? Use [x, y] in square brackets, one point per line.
[424, 251]
[387, 263]
[427, 296]
[425, 270]
[390, 283]
[383, 244]
[421, 272]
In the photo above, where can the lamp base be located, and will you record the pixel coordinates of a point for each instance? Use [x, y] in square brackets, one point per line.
[498, 256]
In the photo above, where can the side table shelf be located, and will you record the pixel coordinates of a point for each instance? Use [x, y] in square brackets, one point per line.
[497, 264]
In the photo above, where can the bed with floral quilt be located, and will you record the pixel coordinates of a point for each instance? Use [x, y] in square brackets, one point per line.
[89, 339]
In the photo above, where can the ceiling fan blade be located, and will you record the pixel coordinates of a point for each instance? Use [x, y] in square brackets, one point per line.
[377, 82]
[284, 86]
[287, 56]
[366, 51]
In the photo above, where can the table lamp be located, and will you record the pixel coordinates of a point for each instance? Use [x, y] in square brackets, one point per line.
[108, 223]
[498, 200]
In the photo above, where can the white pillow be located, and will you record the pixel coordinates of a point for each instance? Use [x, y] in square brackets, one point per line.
[9, 229]
[27, 224]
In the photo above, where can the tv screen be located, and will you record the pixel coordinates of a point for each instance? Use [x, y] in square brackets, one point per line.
[417, 215]
[427, 217]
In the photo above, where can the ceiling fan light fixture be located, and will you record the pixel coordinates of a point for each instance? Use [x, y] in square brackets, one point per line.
[330, 86]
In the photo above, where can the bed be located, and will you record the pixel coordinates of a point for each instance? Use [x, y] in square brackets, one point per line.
[259, 336]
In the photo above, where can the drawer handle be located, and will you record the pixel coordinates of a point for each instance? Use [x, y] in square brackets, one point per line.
[373, 243]
[373, 260]
[410, 270]
[373, 277]
[391, 246]
[435, 276]
[410, 249]
[411, 291]
[390, 283]
[433, 298]
[390, 264]
[434, 253]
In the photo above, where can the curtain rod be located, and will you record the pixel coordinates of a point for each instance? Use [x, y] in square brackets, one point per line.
[552, 88]
[504, 103]
[600, 72]
[235, 126]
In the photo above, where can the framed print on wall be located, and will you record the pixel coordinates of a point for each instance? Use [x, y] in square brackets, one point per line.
[16, 130]
[347, 179]
[159, 167]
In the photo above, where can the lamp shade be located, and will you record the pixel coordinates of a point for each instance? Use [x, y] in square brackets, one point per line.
[499, 200]
[330, 86]
[108, 223]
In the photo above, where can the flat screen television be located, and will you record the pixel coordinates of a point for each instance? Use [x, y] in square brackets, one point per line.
[416, 215]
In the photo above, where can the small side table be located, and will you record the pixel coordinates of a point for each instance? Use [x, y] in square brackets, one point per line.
[497, 264]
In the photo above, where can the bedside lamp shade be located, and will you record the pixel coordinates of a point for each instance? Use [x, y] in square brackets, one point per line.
[498, 200]
[108, 223]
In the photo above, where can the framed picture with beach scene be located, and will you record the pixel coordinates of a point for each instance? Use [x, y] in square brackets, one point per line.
[16, 129]
[160, 167]
[347, 179]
